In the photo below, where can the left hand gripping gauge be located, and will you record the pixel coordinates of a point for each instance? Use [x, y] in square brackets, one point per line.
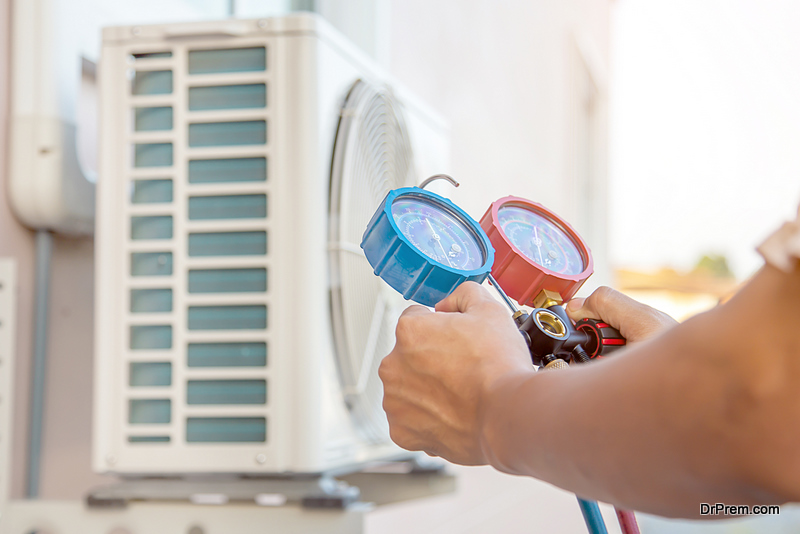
[424, 246]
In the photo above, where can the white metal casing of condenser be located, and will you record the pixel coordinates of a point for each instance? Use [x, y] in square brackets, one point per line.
[154, 409]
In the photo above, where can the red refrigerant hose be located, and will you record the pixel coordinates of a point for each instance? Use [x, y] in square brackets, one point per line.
[627, 521]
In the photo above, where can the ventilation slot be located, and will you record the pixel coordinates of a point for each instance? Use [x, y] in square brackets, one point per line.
[228, 207]
[152, 155]
[154, 227]
[151, 337]
[228, 281]
[227, 60]
[150, 412]
[211, 171]
[227, 317]
[227, 133]
[151, 263]
[227, 355]
[226, 392]
[228, 244]
[227, 97]
[151, 191]
[150, 374]
[151, 300]
[152, 55]
[155, 82]
[226, 429]
[152, 119]
[148, 439]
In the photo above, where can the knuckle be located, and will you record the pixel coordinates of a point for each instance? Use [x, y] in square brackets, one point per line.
[406, 326]
[469, 286]
[469, 290]
[602, 294]
[665, 318]
[400, 436]
[389, 369]
[384, 371]
[387, 406]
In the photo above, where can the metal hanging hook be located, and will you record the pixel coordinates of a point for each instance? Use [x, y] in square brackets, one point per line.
[438, 177]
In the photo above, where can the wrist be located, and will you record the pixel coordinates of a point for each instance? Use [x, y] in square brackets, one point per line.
[504, 402]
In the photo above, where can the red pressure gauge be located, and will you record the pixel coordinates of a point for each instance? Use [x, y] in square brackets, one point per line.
[539, 258]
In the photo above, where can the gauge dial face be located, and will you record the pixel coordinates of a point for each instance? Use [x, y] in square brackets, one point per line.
[541, 240]
[438, 233]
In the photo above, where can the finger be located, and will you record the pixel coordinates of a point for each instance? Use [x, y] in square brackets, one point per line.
[606, 304]
[464, 297]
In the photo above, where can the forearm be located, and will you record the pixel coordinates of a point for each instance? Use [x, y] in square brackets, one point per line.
[682, 419]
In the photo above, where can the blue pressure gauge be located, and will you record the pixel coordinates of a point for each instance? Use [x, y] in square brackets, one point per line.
[424, 246]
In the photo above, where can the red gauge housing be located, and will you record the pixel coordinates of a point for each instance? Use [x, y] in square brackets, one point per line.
[522, 278]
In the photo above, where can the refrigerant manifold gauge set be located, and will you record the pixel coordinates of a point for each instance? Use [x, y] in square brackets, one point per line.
[424, 246]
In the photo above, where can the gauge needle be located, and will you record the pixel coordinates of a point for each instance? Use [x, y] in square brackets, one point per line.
[439, 240]
[538, 243]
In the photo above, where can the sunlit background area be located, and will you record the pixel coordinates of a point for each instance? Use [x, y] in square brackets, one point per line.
[704, 130]
[665, 131]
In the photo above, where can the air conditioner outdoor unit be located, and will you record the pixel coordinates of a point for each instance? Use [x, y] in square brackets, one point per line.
[238, 325]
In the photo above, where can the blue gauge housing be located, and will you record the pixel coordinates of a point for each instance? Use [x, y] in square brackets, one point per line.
[413, 273]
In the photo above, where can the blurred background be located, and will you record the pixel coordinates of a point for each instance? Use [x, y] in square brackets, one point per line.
[665, 131]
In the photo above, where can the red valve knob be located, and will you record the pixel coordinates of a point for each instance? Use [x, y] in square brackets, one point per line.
[603, 339]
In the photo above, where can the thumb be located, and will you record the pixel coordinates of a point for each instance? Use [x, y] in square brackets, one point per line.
[465, 296]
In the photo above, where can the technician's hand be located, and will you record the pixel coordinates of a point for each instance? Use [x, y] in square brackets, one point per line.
[443, 370]
[634, 320]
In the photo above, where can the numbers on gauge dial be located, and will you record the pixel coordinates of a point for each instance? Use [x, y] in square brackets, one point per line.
[438, 233]
[540, 240]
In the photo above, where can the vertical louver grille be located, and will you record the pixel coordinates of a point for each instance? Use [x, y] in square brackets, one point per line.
[197, 299]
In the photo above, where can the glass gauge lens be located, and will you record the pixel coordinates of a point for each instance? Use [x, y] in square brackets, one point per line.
[540, 240]
[438, 233]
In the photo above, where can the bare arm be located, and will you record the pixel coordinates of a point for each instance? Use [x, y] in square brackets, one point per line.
[708, 411]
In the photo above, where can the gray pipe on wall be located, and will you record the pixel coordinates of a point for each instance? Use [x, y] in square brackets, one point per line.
[44, 253]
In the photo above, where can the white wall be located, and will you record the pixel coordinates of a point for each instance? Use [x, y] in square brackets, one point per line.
[504, 75]
[17, 242]
[66, 440]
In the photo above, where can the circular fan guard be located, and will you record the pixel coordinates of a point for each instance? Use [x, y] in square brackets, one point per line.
[372, 155]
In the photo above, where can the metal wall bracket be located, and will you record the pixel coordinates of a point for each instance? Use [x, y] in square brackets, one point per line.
[244, 505]
[383, 483]
[309, 492]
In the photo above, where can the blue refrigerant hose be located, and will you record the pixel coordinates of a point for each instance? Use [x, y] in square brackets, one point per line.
[592, 516]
